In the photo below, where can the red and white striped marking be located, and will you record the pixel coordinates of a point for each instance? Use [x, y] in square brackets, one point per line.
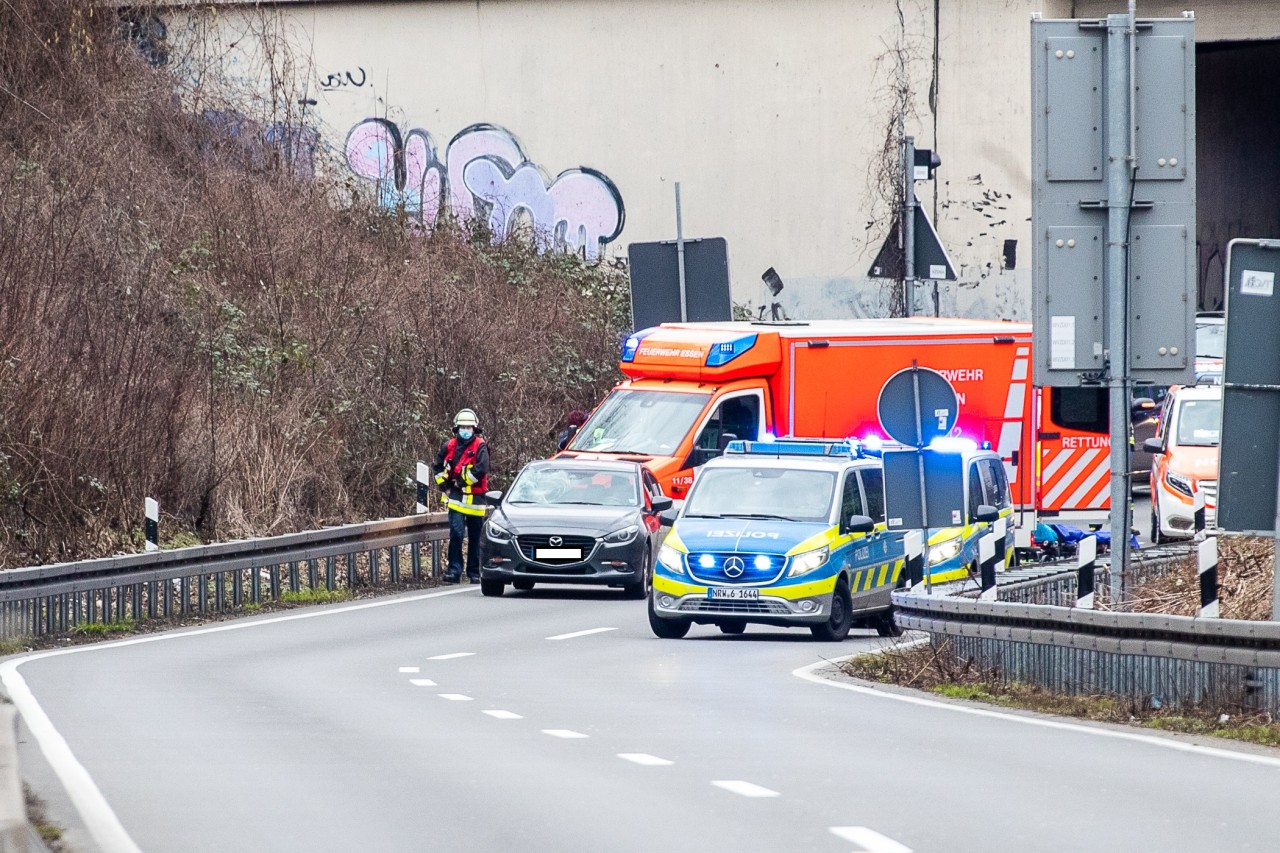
[1074, 478]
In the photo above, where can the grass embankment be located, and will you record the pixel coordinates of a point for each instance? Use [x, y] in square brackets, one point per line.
[939, 670]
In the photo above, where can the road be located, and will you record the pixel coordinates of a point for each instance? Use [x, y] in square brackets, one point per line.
[554, 721]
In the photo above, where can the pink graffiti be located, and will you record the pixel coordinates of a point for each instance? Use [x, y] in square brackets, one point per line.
[485, 173]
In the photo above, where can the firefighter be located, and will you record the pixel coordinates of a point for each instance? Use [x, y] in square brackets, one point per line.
[462, 472]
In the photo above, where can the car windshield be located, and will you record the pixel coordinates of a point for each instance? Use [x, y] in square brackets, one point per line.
[769, 493]
[575, 484]
[650, 423]
[1211, 340]
[1199, 422]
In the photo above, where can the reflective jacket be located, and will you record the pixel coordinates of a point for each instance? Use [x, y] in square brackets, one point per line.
[462, 471]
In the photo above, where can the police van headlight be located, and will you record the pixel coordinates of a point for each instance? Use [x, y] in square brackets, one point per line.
[802, 564]
[1179, 483]
[671, 559]
[945, 550]
[623, 536]
[496, 532]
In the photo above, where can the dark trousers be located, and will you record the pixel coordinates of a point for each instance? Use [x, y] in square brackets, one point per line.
[460, 525]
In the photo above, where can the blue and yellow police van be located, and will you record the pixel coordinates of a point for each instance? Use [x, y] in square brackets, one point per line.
[785, 533]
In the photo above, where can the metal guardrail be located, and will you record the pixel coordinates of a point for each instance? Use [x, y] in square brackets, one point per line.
[1032, 634]
[228, 576]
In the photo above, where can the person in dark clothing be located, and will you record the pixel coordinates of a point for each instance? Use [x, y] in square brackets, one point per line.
[462, 472]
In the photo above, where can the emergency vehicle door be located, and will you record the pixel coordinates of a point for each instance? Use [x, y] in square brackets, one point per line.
[739, 415]
[1074, 446]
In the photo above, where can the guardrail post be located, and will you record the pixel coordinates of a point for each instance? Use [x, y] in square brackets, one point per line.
[1197, 502]
[1086, 565]
[987, 565]
[394, 553]
[424, 488]
[1207, 564]
[330, 571]
[153, 525]
[914, 543]
[1001, 528]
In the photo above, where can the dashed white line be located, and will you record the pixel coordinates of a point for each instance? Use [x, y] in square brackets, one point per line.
[452, 656]
[454, 697]
[868, 840]
[745, 789]
[644, 758]
[409, 670]
[422, 682]
[573, 634]
[564, 733]
[504, 715]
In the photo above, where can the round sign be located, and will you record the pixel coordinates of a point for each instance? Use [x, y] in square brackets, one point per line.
[938, 410]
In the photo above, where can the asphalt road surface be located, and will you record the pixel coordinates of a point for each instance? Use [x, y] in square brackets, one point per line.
[554, 721]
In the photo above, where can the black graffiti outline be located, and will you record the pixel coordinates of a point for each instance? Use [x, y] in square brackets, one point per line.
[334, 81]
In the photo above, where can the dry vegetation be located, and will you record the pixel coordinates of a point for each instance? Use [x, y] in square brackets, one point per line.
[189, 317]
[1245, 572]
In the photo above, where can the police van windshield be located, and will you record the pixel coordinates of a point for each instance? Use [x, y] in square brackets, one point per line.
[649, 423]
[1199, 422]
[765, 493]
[575, 484]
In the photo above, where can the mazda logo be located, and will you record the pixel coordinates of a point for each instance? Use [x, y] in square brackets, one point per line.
[555, 541]
[734, 567]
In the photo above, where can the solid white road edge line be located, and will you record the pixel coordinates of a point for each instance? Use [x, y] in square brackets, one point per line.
[564, 733]
[580, 633]
[454, 697]
[422, 682]
[645, 759]
[99, 820]
[503, 715]
[806, 672]
[745, 789]
[453, 656]
[868, 840]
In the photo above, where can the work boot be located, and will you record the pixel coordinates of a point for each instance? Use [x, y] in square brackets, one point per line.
[450, 579]
[473, 578]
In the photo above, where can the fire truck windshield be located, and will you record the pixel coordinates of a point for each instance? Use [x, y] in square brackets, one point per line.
[648, 423]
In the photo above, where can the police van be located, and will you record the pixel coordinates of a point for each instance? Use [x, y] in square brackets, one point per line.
[786, 533]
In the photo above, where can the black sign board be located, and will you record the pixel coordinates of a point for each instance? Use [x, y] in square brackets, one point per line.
[655, 281]
[944, 489]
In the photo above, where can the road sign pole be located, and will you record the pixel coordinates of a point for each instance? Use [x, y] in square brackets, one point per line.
[924, 501]
[909, 225]
[1275, 571]
[684, 299]
[1120, 159]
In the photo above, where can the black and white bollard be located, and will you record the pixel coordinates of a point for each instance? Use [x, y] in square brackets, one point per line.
[1207, 560]
[1086, 564]
[424, 483]
[1001, 528]
[1197, 502]
[987, 565]
[153, 525]
[914, 542]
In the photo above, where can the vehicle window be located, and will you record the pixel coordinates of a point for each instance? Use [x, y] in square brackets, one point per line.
[1211, 340]
[788, 493]
[851, 498]
[1084, 409]
[651, 484]
[994, 483]
[649, 423]
[976, 497]
[873, 488]
[736, 416]
[575, 484]
[1199, 422]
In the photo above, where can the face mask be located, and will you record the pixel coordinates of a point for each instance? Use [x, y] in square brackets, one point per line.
[465, 433]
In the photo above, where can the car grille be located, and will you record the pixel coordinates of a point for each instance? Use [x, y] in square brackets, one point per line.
[529, 544]
[741, 608]
[731, 568]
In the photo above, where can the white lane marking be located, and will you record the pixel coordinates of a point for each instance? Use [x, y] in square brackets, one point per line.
[452, 656]
[806, 672]
[868, 840]
[581, 633]
[744, 789]
[422, 682]
[644, 758]
[504, 715]
[410, 669]
[99, 820]
[454, 697]
[564, 733]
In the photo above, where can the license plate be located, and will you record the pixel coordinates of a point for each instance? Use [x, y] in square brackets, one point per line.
[733, 594]
[558, 553]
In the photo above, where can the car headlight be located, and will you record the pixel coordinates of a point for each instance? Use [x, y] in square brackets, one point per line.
[496, 532]
[802, 564]
[671, 559]
[1178, 483]
[945, 550]
[620, 537]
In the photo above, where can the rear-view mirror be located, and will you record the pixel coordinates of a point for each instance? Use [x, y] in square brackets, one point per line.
[668, 516]
[986, 513]
[494, 497]
[662, 504]
[860, 524]
[1153, 445]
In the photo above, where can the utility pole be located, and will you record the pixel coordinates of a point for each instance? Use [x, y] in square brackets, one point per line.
[909, 223]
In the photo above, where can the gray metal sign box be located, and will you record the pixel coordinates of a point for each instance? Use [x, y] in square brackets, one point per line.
[1250, 453]
[944, 489]
[655, 281]
[1069, 211]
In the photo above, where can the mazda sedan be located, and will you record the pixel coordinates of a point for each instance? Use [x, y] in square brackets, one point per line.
[574, 522]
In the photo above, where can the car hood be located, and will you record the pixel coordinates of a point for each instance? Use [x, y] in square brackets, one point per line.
[560, 518]
[741, 534]
[1200, 463]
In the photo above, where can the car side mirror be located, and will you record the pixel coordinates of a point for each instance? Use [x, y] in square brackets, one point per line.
[668, 516]
[1153, 445]
[494, 497]
[725, 438]
[661, 504]
[986, 513]
[859, 524]
[1143, 405]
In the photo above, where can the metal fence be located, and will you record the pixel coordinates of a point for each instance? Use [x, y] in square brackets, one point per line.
[229, 576]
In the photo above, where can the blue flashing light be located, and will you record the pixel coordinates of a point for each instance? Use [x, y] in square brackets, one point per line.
[791, 447]
[632, 344]
[873, 443]
[767, 438]
[953, 444]
[763, 563]
[706, 561]
[726, 351]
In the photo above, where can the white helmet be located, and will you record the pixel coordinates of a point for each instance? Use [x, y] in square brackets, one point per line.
[466, 418]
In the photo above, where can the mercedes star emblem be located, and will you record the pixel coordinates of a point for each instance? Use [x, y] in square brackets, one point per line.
[733, 567]
[555, 541]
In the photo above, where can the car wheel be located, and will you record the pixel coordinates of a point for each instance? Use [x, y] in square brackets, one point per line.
[523, 584]
[1157, 537]
[641, 589]
[732, 628]
[887, 626]
[667, 629]
[837, 626]
[491, 588]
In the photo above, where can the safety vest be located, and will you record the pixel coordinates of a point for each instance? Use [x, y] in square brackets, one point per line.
[459, 466]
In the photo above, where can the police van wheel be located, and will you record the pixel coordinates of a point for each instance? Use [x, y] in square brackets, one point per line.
[732, 627]
[491, 588]
[667, 629]
[886, 626]
[523, 584]
[837, 626]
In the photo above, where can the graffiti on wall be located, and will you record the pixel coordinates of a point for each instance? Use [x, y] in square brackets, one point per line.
[485, 173]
